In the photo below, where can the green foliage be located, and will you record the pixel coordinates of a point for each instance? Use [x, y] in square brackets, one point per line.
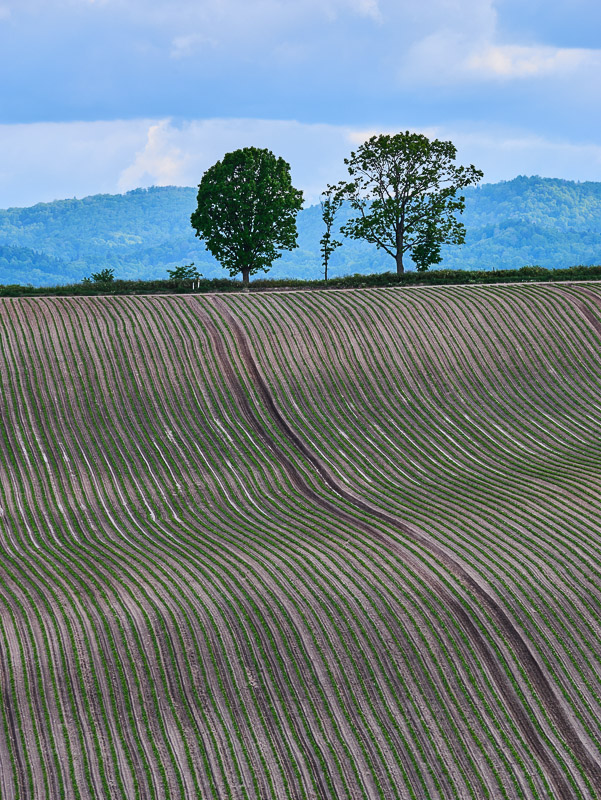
[143, 233]
[247, 210]
[186, 272]
[330, 203]
[405, 190]
[358, 281]
[139, 234]
[104, 276]
[426, 252]
[27, 265]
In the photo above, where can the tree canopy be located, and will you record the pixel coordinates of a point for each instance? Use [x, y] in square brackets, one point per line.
[186, 272]
[405, 190]
[247, 210]
[104, 276]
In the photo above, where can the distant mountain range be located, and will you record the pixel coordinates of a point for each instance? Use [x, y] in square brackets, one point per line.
[141, 234]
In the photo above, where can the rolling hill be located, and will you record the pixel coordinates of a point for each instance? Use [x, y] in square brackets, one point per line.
[302, 545]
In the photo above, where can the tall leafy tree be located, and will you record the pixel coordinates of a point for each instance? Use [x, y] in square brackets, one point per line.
[330, 203]
[247, 210]
[405, 190]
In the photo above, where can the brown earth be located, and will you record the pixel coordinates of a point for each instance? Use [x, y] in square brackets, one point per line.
[307, 545]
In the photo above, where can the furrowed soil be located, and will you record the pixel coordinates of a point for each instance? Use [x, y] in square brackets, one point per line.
[313, 545]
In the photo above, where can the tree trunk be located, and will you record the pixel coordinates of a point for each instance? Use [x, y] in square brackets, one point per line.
[400, 231]
[245, 277]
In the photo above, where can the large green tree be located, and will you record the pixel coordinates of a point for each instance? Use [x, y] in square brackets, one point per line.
[405, 190]
[247, 210]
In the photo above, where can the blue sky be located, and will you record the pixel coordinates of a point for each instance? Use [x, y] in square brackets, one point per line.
[108, 95]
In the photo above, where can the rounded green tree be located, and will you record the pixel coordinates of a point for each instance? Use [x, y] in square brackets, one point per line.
[247, 210]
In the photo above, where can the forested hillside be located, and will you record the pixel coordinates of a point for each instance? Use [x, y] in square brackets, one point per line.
[550, 222]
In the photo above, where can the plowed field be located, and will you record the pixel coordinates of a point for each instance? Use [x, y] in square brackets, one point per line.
[302, 545]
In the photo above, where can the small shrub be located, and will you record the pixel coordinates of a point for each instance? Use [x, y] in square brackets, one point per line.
[104, 276]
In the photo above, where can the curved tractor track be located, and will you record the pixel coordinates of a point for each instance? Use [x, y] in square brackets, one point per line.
[323, 545]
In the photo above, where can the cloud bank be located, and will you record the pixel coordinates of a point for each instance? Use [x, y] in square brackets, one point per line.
[48, 161]
[332, 61]
[106, 95]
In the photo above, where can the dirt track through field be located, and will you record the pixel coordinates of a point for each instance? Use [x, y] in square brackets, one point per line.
[338, 545]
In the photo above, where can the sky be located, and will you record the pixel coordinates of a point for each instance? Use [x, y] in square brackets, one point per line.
[110, 95]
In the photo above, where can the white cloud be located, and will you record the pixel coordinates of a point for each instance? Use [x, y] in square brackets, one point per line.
[188, 44]
[46, 161]
[369, 8]
[516, 61]
[248, 26]
[42, 161]
[4, 12]
[503, 153]
[180, 154]
[161, 162]
[463, 43]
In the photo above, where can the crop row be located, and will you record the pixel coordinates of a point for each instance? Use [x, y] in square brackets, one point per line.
[321, 545]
